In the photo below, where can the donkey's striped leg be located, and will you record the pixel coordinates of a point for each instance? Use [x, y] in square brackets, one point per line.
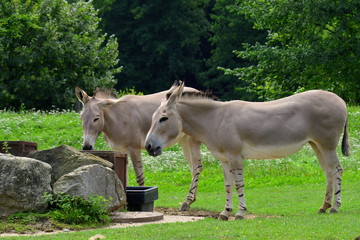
[335, 173]
[135, 156]
[333, 170]
[191, 150]
[237, 171]
[337, 193]
[191, 197]
[328, 194]
[329, 179]
[228, 177]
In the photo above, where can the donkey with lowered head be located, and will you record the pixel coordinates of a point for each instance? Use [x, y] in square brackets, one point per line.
[124, 123]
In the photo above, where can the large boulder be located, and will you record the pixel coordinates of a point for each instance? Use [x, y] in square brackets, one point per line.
[93, 180]
[65, 159]
[23, 182]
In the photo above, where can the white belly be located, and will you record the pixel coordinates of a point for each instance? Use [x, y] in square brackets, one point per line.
[270, 152]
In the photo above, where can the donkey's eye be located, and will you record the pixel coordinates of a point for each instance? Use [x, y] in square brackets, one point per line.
[96, 119]
[163, 119]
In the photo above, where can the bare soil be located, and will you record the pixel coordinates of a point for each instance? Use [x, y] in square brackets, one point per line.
[203, 213]
[191, 212]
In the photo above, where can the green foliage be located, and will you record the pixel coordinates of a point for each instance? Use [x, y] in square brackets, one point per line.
[77, 210]
[159, 40]
[47, 47]
[128, 91]
[24, 218]
[229, 31]
[5, 147]
[65, 212]
[310, 44]
[21, 222]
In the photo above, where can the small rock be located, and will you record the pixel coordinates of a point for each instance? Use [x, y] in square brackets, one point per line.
[97, 236]
[66, 230]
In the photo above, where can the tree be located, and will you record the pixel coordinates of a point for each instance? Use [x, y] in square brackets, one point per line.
[47, 47]
[159, 41]
[310, 44]
[229, 31]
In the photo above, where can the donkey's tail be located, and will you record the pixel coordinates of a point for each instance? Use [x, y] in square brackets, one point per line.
[345, 146]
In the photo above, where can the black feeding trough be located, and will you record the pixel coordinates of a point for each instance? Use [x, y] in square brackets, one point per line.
[141, 198]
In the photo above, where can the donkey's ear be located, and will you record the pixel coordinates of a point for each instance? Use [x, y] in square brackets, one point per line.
[81, 95]
[174, 95]
[109, 102]
[175, 85]
[182, 85]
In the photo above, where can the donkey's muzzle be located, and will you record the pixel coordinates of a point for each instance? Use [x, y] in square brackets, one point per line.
[153, 151]
[87, 147]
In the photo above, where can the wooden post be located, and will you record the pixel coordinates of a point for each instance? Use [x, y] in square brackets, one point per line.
[17, 148]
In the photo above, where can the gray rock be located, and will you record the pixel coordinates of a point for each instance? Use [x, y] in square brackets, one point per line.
[23, 182]
[93, 180]
[65, 159]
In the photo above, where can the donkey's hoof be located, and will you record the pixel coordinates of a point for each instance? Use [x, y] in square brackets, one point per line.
[184, 207]
[223, 217]
[239, 217]
[333, 210]
[321, 210]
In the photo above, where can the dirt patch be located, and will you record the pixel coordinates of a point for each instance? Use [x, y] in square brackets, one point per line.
[202, 213]
[190, 213]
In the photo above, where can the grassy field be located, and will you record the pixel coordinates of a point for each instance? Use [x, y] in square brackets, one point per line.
[283, 194]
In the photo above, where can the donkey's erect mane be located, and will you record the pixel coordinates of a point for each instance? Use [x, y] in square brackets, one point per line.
[207, 95]
[196, 95]
[100, 93]
[199, 95]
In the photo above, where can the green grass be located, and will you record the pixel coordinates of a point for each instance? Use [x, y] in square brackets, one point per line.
[282, 213]
[284, 194]
[49, 129]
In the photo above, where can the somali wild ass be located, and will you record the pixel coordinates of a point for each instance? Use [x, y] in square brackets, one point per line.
[238, 130]
[125, 122]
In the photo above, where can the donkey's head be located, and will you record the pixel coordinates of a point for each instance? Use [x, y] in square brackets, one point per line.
[166, 125]
[92, 115]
